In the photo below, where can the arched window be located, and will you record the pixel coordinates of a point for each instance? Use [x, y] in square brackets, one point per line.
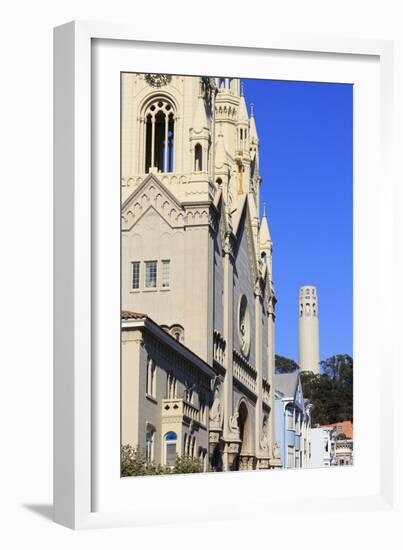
[160, 126]
[171, 386]
[198, 158]
[177, 332]
[170, 439]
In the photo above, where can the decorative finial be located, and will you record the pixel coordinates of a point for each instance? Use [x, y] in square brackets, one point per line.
[251, 109]
[264, 209]
[242, 86]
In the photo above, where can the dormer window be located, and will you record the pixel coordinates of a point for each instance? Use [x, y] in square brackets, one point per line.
[160, 127]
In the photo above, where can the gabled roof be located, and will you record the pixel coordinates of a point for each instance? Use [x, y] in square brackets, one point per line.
[244, 209]
[152, 194]
[150, 178]
[286, 383]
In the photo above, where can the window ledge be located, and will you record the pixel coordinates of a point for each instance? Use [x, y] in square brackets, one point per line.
[150, 289]
[151, 398]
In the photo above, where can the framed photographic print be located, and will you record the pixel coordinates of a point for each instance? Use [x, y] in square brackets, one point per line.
[218, 228]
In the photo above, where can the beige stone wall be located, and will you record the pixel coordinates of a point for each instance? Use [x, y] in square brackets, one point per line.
[209, 230]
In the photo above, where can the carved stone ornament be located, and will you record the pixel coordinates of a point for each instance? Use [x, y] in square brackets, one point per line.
[216, 411]
[275, 460]
[244, 325]
[233, 425]
[264, 439]
[158, 80]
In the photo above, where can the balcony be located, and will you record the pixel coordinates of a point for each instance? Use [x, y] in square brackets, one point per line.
[179, 410]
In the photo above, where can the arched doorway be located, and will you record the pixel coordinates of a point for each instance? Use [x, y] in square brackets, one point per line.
[245, 434]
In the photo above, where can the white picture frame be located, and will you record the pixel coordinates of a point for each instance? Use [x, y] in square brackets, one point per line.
[84, 496]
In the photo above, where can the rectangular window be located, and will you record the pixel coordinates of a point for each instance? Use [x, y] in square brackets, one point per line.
[151, 274]
[165, 273]
[290, 457]
[170, 454]
[135, 275]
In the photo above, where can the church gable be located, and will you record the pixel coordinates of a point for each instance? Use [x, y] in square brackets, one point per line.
[244, 237]
[152, 194]
[244, 282]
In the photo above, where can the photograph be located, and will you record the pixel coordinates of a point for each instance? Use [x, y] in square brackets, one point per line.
[236, 274]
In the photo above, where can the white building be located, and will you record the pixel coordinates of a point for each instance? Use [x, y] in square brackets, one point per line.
[323, 447]
[197, 291]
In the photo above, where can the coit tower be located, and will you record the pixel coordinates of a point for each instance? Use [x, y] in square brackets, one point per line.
[308, 330]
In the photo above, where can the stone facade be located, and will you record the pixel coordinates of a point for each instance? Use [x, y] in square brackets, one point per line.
[198, 363]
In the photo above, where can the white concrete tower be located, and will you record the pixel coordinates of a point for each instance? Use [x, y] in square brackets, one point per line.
[308, 330]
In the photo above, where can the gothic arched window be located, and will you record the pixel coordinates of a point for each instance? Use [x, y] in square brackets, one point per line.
[160, 129]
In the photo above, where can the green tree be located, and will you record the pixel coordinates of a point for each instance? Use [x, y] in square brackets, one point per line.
[331, 393]
[284, 365]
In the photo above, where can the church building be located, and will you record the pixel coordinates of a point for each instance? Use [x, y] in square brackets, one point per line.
[198, 302]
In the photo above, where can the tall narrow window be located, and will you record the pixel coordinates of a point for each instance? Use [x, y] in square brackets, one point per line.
[150, 381]
[170, 448]
[171, 387]
[159, 138]
[151, 274]
[290, 418]
[165, 273]
[198, 167]
[135, 275]
[150, 444]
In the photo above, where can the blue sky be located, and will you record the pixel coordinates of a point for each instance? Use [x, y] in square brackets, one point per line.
[306, 133]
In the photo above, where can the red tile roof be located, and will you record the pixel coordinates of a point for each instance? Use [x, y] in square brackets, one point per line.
[133, 315]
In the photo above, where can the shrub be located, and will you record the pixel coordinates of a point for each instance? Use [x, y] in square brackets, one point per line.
[133, 463]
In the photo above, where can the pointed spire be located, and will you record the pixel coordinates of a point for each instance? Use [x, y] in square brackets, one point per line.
[243, 110]
[221, 156]
[200, 119]
[264, 233]
[253, 131]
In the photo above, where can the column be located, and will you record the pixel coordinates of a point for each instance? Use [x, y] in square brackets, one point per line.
[258, 366]
[228, 336]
